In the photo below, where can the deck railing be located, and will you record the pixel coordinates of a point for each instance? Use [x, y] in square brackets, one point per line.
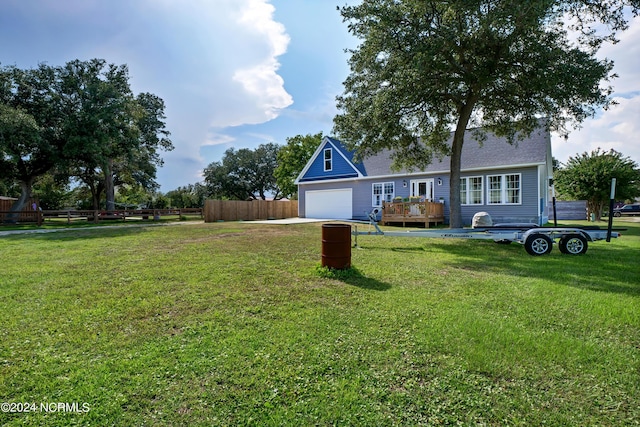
[412, 212]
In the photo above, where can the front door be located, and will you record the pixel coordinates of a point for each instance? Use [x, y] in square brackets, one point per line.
[422, 188]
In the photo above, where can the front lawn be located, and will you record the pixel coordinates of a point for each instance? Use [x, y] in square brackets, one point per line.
[236, 324]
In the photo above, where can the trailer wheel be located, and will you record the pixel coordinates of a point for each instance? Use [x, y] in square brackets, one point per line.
[573, 244]
[538, 244]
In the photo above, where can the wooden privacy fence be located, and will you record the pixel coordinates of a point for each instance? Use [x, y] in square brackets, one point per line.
[21, 217]
[569, 210]
[240, 210]
[28, 214]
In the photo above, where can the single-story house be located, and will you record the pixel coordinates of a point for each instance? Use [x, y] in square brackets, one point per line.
[510, 182]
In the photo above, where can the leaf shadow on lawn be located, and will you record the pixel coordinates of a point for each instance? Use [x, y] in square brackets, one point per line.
[409, 250]
[79, 233]
[611, 271]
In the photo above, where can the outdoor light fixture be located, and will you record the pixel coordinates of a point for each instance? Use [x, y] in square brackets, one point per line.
[404, 183]
[439, 181]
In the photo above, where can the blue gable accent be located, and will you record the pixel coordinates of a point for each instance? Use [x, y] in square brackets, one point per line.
[342, 165]
[349, 156]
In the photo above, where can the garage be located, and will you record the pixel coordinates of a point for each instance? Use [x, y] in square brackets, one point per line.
[329, 204]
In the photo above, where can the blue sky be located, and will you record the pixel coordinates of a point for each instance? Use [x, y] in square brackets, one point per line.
[239, 73]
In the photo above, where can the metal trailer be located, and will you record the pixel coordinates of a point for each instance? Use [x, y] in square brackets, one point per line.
[536, 240]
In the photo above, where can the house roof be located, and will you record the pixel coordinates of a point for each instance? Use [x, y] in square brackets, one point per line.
[347, 154]
[492, 152]
[344, 166]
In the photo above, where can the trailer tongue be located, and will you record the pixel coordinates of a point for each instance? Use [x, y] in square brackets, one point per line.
[536, 240]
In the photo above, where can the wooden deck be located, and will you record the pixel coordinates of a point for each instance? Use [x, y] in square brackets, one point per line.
[426, 213]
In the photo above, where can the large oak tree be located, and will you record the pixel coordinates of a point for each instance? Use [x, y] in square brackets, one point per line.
[113, 136]
[426, 68]
[82, 119]
[30, 140]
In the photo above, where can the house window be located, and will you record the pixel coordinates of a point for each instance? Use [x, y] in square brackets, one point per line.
[505, 189]
[471, 190]
[328, 162]
[382, 192]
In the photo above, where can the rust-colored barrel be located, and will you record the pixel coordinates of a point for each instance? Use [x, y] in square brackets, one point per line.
[336, 246]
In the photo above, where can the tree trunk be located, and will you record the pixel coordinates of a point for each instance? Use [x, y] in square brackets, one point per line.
[109, 188]
[595, 207]
[95, 201]
[25, 195]
[455, 211]
[18, 205]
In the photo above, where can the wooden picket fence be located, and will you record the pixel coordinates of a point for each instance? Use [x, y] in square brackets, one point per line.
[39, 217]
[240, 210]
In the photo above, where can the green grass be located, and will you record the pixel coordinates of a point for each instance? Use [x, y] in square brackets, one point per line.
[236, 324]
[82, 222]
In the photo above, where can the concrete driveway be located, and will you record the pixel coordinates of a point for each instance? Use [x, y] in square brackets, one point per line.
[290, 221]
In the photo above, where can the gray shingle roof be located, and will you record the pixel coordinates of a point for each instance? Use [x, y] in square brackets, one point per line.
[492, 153]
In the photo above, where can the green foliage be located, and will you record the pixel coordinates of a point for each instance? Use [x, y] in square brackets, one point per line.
[426, 67]
[83, 119]
[292, 158]
[159, 201]
[332, 273]
[190, 196]
[131, 196]
[114, 136]
[244, 174]
[52, 192]
[588, 177]
[20, 136]
[8, 188]
[229, 324]
[30, 141]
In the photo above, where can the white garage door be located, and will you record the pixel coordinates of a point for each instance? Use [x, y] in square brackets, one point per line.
[329, 204]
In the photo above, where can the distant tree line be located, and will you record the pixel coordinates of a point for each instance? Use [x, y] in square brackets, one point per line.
[266, 172]
[75, 136]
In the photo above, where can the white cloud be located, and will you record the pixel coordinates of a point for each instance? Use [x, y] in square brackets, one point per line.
[625, 55]
[267, 88]
[214, 63]
[618, 127]
[615, 129]
[261, 81]
[217, 138]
